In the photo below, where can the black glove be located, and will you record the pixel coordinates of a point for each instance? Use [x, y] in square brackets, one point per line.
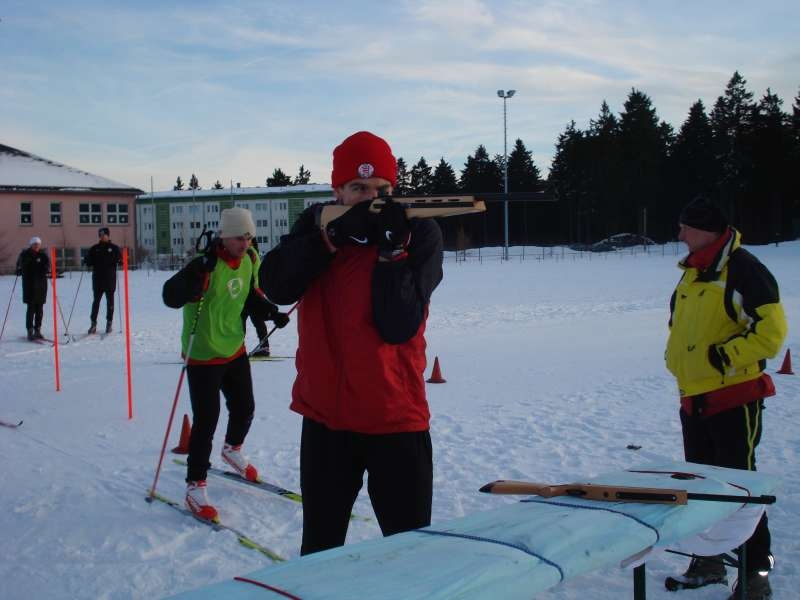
[353, 227]
[280, 319]
[19, 272]
[718, 358]
[205, 263]
[393, 230]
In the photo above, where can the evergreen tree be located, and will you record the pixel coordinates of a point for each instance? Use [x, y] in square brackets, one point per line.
[772, 189]
[279, 179]
[644, 151]
[217, 185]
[569, 176]
[178, 184]
[731, 120]
[421, 178]
[481, 174]
[303, 176]
[403, 179]
[523, 174]
[193, 183]
[444, 179]
[605, 181]
[693, 167]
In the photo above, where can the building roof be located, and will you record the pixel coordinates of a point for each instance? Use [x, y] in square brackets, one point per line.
[238, 193]
[24, 172]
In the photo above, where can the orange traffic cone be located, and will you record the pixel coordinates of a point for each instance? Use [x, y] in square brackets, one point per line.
[786, 367]
[186, 432]
[436, 375]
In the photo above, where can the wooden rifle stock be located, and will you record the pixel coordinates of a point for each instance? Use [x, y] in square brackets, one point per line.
[416, 207]
[615, 493]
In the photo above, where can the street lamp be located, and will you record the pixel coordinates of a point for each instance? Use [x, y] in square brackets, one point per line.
[505, 96]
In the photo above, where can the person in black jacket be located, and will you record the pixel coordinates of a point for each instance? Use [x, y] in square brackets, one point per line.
[33, 266]
[103, 258]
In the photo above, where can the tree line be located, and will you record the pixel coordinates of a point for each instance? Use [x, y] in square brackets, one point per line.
[631, 173]
[634, 173]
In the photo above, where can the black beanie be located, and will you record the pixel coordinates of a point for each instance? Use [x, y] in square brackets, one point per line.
[702, 214]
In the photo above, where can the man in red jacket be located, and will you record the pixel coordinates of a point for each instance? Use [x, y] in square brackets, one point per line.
[365, 281]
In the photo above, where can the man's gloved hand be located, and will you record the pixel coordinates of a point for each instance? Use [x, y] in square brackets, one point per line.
[205, 263]
[718, 358]
[393, 230]
[281, 319]
[353, 227]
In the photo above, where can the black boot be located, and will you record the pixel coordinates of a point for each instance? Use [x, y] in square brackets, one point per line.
[37, 333]
[109, 329]
[93, 328]
[702, 571]
[756, 588]
[31, 337]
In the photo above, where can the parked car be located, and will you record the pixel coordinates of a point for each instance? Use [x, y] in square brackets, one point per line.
[621, 240]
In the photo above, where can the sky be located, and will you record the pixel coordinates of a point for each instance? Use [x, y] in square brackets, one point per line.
[147, 91]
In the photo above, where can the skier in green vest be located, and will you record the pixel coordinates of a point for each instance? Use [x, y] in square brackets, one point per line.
[214, 290]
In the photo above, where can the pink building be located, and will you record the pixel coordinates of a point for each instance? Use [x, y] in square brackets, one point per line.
[60, 204]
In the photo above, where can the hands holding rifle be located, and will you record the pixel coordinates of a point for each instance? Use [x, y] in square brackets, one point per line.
[389, 229]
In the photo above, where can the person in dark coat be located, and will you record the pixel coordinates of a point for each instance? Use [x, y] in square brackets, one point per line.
[103, 258]
[33, 266]
[280, 319]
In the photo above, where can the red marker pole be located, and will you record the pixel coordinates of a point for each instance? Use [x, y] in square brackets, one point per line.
[127, 331]
[55, 317]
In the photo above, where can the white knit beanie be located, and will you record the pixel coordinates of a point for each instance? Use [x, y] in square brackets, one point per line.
[35, 240]
[235, 222]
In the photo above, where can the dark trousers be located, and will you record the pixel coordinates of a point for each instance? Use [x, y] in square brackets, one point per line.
[729, 439]
[332, 466]
[98, 294]
[261, 331]
[33, 316]
[205, 384]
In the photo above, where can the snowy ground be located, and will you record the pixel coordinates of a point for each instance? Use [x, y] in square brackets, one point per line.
[553, 365]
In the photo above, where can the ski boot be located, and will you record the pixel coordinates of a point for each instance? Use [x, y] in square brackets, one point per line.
[197, 501]
[93, 328]
[109, 329]
[234, 457]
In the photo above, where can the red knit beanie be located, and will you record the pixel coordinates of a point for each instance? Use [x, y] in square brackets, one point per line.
[361, 156]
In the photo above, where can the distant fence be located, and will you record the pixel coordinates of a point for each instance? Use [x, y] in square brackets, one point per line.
[560, 252]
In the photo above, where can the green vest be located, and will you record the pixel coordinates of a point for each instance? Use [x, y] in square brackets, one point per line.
[220, 331]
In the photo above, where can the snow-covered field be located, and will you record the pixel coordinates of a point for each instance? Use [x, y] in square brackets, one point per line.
[553, 367]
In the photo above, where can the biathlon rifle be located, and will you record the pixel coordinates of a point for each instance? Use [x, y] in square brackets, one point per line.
[615, 493]
[416, 207]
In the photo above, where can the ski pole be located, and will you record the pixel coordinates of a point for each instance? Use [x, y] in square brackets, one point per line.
[10, 298]
[177, 395]
[270, 332]
[63, 320]
[75, 299]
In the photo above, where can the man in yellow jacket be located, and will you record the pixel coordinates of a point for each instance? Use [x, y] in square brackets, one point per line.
[725, 321]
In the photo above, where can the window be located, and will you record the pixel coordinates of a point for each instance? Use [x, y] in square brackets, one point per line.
[55, 213]
[116, 214]
[89, 213]
[25, 213]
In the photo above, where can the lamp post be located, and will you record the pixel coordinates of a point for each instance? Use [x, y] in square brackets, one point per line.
[505, 95]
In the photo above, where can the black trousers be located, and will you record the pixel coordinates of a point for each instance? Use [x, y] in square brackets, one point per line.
[332, 466]
[205, 384]
[261, 330]
[33, 316]
[98, 294]
[729, 439]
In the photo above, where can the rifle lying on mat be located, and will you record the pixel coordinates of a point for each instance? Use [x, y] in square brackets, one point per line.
[416, 207]
[615, 493]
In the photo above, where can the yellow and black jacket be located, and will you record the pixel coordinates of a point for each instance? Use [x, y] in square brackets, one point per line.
[734, 305]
